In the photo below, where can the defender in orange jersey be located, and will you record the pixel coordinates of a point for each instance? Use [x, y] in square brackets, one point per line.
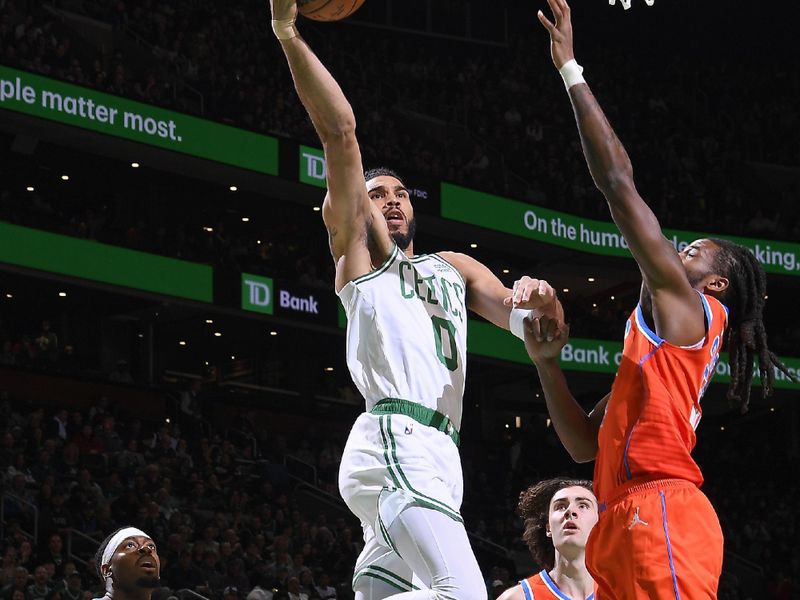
[658, 536]
[559, 514]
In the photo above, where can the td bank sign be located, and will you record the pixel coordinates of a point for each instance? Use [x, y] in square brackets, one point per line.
[257, 294]
[313, 169]
[263, 295]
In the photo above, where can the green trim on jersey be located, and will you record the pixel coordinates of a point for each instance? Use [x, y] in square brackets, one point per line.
[386, 264]
[393, 464]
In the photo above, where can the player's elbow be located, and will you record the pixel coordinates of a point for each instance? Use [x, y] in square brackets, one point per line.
[583, 453]
[340, 133]
[616, 183]
[582, 458]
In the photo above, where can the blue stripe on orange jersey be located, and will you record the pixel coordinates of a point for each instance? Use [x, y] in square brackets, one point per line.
[648, 429]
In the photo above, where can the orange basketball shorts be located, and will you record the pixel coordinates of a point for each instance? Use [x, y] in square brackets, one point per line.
[657, 541]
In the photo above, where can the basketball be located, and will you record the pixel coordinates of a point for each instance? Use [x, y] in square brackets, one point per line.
[328, 10]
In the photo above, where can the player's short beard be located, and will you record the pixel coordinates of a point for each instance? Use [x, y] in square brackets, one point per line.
[148, 582]
[403, 240]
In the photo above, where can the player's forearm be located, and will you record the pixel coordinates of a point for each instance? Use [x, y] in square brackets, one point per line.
[321, 96]
[605, 155]
[573, 426]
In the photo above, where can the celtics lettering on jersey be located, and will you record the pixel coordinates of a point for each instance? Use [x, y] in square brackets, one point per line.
[435, 289]
[431, 288]
[407, 332]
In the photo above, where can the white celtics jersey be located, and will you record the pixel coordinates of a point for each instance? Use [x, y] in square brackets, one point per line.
[407, 333]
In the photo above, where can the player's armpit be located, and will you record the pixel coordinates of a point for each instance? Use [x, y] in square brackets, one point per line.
[598, 412]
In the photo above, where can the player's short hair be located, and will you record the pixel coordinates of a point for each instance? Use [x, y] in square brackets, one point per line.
[534, 508]
[381, 172]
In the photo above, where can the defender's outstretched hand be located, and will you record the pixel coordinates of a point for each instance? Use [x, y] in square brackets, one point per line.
[545, 337]
[560, 32]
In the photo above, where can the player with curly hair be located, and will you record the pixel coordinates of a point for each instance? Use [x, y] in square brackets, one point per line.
[558, 514]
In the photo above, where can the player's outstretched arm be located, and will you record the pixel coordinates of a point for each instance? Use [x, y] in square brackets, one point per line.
[487, 296]
[544, 339]
[677, 309]
[347, 205]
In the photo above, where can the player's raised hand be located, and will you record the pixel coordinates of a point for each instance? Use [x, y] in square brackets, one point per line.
[530, 293]
[284, 14]
[545, 337]
[283, 10]
[560, 32]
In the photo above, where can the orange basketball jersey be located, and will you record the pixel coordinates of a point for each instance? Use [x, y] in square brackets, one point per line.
[542, 587]
[648, 431]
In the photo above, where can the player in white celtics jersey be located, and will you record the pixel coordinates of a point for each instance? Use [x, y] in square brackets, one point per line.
[406, 347]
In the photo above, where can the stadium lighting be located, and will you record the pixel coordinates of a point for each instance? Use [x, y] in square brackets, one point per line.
[210, 321]
[30, 188]
[590, 279]
[245, 219]
[273, 333]
[65, 178]
[134, 165]
[62, 294]
[217, 334]
[182, 343]
[233, 188]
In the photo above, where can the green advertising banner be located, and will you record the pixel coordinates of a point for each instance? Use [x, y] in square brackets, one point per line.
[82, 107]
[90, 260]
[313, 170]
[587, 235]
[595, 356]
[258, 294]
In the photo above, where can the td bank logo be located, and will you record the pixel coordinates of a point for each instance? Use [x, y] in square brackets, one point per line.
[312, 167]
[257, 294]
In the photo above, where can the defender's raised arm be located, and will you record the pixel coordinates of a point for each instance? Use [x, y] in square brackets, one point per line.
[677, 309]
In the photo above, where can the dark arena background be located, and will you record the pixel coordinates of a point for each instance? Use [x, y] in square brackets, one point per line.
[171, 349]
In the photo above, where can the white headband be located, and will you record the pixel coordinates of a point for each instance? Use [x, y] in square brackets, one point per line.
[111, 547]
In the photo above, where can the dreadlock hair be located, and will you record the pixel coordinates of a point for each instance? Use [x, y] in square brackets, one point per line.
[534, 508]
[746, 336]
[381, 172]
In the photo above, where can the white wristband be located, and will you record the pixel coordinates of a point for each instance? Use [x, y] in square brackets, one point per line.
[284, 29]
[571, 73]
[516, 322]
